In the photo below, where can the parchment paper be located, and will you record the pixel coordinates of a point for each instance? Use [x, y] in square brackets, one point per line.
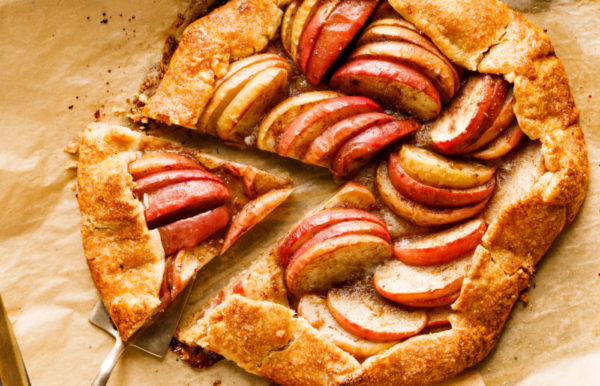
[65, 62]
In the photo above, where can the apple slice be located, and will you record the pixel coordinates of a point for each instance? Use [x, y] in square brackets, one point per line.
[437, 302]
[501, 145]
[246, 62]
[165, 289]
[409, 284]
[254, 212]
[286, 25]
[305, 12]
[440, 247]
[160, 161]
[360, 310]
[438, 317]
[312, 30]
[278, 119]
[180, 200]
[340, 28]
[315, 224]
[335, 261]
[233, 84]
[352, 195]
[393, 84]
[438, 70]
[435, 170]
[190, 231]
[418, 213]
[469, 114]
[245, 110]
[504, 119]
[313, 309]
[311, 123]
[385, 11]
[431, 195]
[358, 150]
[345, 228]
[159, 180]
[325, 145]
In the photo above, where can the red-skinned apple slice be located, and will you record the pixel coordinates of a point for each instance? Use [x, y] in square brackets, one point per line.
[358, 150]
[504, 119]
[190, 231]
[233, 84]
[165, 289]
[433, 196]
[175, 201]
[466, 118]
[315, 224]
[501, 145]
[311, 123]
[393, 84]
[410, 285]
[345, 228]
[335, 261]
[385, 11]
[312, 30]
[360, 310]
[254, 212]
[340, 28]
[247, 107]
[438, 317]
[437, 302]
[286, 25]
[314, 310]
[435, 170]
[155, 162]
[418, 213]
[440, 247]
[278, 119]
[305, 12]
[325, 145]
[159, 180]
[435, 67]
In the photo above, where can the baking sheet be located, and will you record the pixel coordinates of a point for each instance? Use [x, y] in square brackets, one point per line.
[64, 63]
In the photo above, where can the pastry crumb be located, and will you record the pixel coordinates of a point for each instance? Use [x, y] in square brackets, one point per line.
[524, 298]
[71, 147]
[143, 98]
[71, 165]
[118, 110]
[74, 186]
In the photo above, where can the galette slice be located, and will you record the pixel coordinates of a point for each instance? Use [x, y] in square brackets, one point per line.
[154, 213]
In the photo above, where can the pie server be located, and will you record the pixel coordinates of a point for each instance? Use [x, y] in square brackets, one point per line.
[12, 368]
[154, 340]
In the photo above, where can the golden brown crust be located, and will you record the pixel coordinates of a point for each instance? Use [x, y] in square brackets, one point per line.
[486, 36]
[238, 29]
[127, 260]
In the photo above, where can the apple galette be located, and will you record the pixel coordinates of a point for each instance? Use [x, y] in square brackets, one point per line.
[455, 130]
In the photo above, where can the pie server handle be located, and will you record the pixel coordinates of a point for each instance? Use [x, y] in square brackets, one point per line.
[109, 363]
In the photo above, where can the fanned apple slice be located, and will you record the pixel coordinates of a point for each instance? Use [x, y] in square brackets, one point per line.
[286, 25]
[278, 119]
[469, 114]
[156, 162]
[418, 213]
[352, 195]
[433, 196]
[501, 145]
[440, 247]
[324, 146]
[233, 84]
[393, 84]
[334, 262]
[190, 231]
[437, 302]
[311, 32]
[314, 224]
[436, 68]
[313, 122]
[254, 212]
[360, 310]
[384, 11]
[340, 28]
[438, 317]
[314, 310]
[411, 285]
[180, 200]
[246, 62]
[305, 12]
[358, 150]
[436, 170]
[159, 180]
[245, 110]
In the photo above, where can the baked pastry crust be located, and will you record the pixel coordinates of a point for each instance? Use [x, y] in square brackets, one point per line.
[263, 336]
[126, 259]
